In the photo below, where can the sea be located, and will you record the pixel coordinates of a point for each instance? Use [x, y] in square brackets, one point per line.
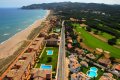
[14, 20]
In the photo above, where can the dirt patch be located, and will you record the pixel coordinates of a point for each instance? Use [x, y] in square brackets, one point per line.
[98, 37]
[86, 47]
[102, 39]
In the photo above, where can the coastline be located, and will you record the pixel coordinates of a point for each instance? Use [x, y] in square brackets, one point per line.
[8, 47]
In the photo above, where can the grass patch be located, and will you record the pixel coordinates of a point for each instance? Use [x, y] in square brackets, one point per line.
[118, 42]
[94, 43]
[44, 58]
[107, 36]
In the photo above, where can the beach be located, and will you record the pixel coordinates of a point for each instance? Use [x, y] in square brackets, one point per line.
[11, 45]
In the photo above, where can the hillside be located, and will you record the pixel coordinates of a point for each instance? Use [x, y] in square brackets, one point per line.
[102, 17]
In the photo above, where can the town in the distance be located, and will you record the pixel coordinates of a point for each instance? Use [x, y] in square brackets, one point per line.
[75, 41]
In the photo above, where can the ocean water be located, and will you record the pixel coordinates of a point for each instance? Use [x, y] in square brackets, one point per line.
[14, 20]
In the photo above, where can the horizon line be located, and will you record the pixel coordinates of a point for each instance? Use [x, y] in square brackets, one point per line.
[57, 2]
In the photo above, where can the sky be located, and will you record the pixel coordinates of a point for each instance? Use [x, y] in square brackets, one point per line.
[19, 3]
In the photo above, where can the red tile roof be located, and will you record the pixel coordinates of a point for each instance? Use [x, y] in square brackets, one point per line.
[69, 45]
[117, 67]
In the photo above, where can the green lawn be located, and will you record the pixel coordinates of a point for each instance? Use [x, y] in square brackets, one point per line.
[44, 58]
[104, 34]
[107, 36]
[94, 43]
[118, 41]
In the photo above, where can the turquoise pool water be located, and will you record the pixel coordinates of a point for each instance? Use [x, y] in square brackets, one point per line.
[43, 66]
[92, 72]
[49, 52]
[93, 69]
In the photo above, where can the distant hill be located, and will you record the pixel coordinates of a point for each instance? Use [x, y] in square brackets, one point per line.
[67, 5]
[102, 17]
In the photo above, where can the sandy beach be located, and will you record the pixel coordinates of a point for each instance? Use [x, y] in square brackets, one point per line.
[11, 45]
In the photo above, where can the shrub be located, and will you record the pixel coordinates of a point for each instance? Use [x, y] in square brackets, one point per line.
[112, 41]
[49, 59]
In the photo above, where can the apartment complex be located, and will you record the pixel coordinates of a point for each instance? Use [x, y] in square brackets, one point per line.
[21, 69]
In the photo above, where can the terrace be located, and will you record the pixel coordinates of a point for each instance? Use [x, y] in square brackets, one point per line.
[36, 45]
[38, 74]
[79, 51]
[90, 56]
[104, 61]
[79, 76]
[22, 67]
[116, 67]
[107, 76]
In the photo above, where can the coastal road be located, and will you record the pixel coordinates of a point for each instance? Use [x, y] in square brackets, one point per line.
[61, 58]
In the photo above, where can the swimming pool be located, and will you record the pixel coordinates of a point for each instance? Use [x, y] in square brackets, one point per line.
[92, 72]
[93, 69]
[43, 66]
[49, 52]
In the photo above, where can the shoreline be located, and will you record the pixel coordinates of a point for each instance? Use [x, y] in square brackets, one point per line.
[9, 46]
[42, 19]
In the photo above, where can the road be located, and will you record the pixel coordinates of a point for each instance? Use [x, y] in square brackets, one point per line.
[61, 58]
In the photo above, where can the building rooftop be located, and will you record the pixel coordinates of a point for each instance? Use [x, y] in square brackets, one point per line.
[80, 76]
[38, 74]
[117, 67]
[74, 76]
[72, 56]
[36, 47]
[74, 63]
[35, 42]
[91, 56]
[104, 60]
[107, 54]
[52, 39]
[69, 45]
[16, 74]
[79, 51]
[38, 39]
[84, 63]
[20, 62]
[99, 51]
[107, 76]
[12, 73]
